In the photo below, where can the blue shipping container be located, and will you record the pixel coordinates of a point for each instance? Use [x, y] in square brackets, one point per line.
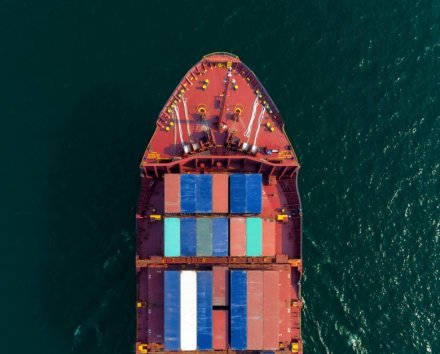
[238, 300]
[204, 194]
[172, 310]
[188, 234]
[220, 237]
[188, 193]
[204, 310]
[253, 193]
[237, 193]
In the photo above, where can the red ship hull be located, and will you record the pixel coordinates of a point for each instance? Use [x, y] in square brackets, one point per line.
[220, 121]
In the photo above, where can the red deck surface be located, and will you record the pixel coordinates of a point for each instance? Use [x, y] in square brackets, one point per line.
[202, 130]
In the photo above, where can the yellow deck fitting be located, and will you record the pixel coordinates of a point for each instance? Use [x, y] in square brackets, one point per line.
[229, 64]
[295, 347]
[143, 349]
[282, 217]
[155, 217]
[171, 124]
[182, 91]
[272, 129]
[167, 129]
[235, 87]
[204, 86]
[268, 124]
[207, 81]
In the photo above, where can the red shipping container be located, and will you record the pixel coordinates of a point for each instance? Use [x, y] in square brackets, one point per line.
[220, 329]
[285, 290]
[268, 238]
[155, 287]
[220, 284]
[255, 309]
[270, 310]
[220, 193]
[172, 193]
[155, 325]
[237, 236]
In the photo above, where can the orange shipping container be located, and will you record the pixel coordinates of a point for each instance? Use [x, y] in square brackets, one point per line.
[220, 193]
[268, 238]
[285, 291]
[270, 310]
[220, 329]
[220, 286]
[255, 309]
[237, 236]
[172, 193]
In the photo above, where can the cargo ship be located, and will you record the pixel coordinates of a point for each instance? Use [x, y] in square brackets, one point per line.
[218, 219]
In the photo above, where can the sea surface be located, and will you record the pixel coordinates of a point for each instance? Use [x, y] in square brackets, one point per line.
[358, 84]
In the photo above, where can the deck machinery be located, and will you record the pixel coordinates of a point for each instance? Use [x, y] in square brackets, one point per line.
[219, 220]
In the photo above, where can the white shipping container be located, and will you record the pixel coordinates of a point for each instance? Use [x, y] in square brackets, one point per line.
[188, 310]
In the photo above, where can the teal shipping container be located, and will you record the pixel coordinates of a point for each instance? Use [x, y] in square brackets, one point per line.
[172, 237]
[204, 237]
[254, 237]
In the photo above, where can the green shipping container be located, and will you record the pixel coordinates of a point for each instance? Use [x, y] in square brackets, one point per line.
[204, 237]
[172, 237]
[254, 237]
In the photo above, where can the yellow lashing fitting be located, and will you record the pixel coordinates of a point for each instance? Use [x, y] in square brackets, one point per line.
[207, 81]
[182, 91]
[167, 129]
[295, 347]
[155, 217]
[171, 124]
[272, 129]
[268, 124]
[143, 349]
[235, 87]
[282, 217]
[204, 86]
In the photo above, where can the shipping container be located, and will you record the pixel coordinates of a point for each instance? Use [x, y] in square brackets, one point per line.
[172, 310]
[245, 193]
[220, 237]
[220, 193]
[237, 193]
[220, 330]
[268, 238]
[254, 309]
[155, 303]
[188, 193]
[188, 310]
[204, 194]
[188, 236]
[237, 234]
[204, 310]
[254, 196]
[253, 237]
[172, 237]
[220, 286]
[204, 237]
[155, 287]
[238, 310]
[270, 310]
[172, 193]
[285, 291]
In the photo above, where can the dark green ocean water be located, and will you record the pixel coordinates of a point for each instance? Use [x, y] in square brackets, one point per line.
[358, 84]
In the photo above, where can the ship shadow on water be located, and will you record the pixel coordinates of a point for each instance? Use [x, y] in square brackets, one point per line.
[94, 284]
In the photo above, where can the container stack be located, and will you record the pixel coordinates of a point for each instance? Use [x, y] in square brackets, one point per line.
[202, 307]
[218, 308]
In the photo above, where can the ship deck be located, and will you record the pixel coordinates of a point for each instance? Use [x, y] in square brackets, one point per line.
[219, 119]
